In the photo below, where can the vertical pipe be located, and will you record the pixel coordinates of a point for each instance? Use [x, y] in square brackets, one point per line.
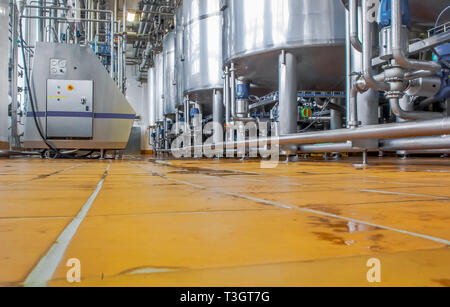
[112, 33]
[336, 117]
[41, 22]
[14, 65]
[348, 66]
[233, 89]
[288, 97]
[218, 117]
[120, 62]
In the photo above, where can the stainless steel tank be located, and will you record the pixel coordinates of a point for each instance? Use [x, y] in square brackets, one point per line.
[179, 56]
[423, 12]
[151, 96]
[202, 49]
[255, 32]
[170, 89]
[159, 87]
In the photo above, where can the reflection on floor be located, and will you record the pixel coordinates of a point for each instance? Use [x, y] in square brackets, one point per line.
[224, 223]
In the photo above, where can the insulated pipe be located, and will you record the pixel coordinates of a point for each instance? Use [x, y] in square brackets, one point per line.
[398, 52]
[218, 116]
[433, 142]
[354, 37]
[367, 53]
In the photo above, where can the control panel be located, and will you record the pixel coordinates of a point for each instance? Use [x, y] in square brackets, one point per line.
[70, 108]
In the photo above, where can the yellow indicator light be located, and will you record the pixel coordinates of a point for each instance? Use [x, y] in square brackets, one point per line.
[70, 87]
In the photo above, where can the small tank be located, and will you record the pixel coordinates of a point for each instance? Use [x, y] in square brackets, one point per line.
[256, 31]
[159, 87]
[170, 89]
[202, 49]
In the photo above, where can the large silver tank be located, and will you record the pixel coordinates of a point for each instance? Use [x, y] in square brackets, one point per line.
[255, 31]
[202, 49]
[424, 12]
[159, 87]
[179, 56]
[170, 90]
[151, 96]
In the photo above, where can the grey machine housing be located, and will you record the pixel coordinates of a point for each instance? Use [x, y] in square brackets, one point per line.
[78, 105]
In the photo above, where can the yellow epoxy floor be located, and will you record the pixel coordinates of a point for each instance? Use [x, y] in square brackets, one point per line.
[228, 222]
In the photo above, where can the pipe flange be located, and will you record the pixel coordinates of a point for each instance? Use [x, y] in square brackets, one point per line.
[394, 94]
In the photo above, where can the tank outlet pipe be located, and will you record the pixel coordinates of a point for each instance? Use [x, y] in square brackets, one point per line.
[354, 36]
[398, 52]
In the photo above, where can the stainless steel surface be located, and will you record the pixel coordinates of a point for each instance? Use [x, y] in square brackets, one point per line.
[435, 142]
[397, 44]
[425, 87]
[398, 111]
[218, 116]
[170, 83]
[113, 115]
[179, 56]
[151, 81]
[368, 39]
[385, 131]
[4, 100]
[70, 97]
[202, 49]
[255, 32]
[288, 107]
[159, 87]
[424, 12]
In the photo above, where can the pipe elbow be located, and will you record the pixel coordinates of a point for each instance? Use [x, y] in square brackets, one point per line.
[411, 64]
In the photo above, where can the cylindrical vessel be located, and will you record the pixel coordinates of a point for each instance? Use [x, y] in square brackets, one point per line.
[256, 31]
[151, 88]
[170, 89]
[179, 57]
[159, 87]
[202, 49]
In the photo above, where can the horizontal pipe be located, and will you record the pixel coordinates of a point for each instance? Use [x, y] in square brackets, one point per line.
[385, 131]
[435, 142]
[335, 147]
